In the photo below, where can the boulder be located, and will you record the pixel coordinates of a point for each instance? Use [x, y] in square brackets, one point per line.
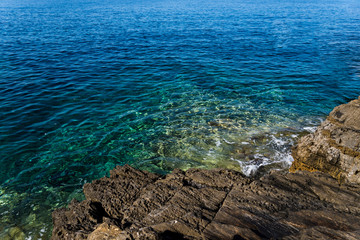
[334, 147]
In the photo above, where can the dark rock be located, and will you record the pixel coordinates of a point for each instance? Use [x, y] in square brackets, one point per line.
[118, 192]
[212, 204]
[224, 204]
[335, 146]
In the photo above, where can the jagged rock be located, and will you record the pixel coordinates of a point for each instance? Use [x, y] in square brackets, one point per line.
[335, 146]
[224, 204]
[212, 204]
[108, 232]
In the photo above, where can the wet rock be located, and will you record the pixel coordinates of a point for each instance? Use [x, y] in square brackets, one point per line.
[212, 204]
[335, 146]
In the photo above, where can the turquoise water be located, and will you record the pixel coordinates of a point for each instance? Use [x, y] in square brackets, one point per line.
[88, 85]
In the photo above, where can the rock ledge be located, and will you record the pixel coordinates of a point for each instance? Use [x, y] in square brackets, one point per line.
[335, 146]
[211, 204]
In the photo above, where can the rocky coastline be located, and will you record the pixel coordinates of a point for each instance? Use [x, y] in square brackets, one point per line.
[335, 146]
[318, 199]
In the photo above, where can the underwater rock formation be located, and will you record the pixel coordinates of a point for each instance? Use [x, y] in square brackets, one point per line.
[335, 146]
[211, 204]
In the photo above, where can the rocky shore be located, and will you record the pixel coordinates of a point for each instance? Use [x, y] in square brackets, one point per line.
[323, 203]
[335, 146]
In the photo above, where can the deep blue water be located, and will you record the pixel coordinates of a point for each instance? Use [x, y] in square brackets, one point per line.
[87, 85]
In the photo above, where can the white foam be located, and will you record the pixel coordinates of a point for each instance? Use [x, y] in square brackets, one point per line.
[280, 148]
[278, 141]
[249, 169]
[288, 159]
[283, 157]
[262, 157]
[228, 142]
[310, 129]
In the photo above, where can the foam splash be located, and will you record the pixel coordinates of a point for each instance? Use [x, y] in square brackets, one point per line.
[310, 129]
[275, 153]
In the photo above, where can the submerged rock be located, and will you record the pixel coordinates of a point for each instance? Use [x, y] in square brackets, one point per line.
[14, 233]
[335, 146]
[211, 204]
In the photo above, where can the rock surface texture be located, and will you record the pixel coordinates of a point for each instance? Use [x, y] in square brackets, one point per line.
[224, 204]
[335, 146]
[211, 204]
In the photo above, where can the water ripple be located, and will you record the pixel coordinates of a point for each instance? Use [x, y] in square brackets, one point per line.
[85, 86]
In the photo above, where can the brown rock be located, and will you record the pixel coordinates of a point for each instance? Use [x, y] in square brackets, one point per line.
[108, 232]
[224, 204]
[78, 220]
[120, 190]
[213, 204]
[335, 146]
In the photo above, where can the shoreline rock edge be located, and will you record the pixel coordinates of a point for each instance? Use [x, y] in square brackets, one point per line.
[334, 148]
[224, 204]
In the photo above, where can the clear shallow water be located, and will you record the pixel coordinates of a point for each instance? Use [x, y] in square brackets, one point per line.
[87, 85]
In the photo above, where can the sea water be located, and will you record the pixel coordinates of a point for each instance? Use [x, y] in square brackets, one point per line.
[161, 84]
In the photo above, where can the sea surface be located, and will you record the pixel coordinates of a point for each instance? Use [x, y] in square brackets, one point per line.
[160, 84]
